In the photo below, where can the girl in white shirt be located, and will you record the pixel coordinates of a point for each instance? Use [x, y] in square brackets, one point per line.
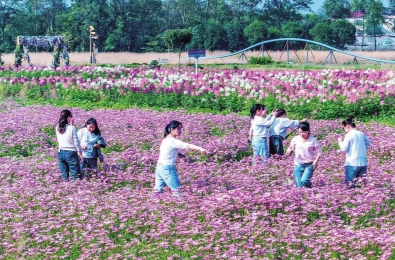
[166, 173]
[355, 145]
[69, 152]
[259, 131]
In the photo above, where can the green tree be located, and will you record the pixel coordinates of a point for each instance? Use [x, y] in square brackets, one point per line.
[293, 30]
[215, 36]
[375, 18]
[177, 40]
[255, 31]
[337, 9]
[322, 33]
[235, 36]
[343, 32]
[279, 12]
[198, 37]
[359, 9]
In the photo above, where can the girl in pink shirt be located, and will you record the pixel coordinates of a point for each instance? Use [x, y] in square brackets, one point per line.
[307, 153]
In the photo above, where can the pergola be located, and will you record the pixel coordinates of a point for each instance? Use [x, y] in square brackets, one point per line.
[23, 43]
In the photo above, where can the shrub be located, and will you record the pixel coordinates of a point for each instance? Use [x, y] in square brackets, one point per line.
[260, 60]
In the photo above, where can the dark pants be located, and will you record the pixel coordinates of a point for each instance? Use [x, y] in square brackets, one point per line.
[276, 144]
[69, 164]
[90, 163]
[353, 172]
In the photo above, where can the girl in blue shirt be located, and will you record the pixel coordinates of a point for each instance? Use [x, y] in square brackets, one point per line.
[91, 141]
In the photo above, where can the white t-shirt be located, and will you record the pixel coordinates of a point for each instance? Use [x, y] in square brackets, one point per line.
[260, 126]
[69, 139]
[169, 150]
[355, 145]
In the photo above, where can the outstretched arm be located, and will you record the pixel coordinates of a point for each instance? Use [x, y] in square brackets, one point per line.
[196, 148]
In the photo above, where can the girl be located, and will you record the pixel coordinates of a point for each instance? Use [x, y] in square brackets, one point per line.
[259, 131]
[355, 145]
[91, 142]
[69, 152]
[307, 153]
[278, 131]
[166, 173]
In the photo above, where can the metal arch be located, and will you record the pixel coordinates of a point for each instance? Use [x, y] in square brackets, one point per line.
[301, 40]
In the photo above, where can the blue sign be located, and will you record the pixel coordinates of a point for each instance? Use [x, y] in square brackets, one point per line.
[196, 53]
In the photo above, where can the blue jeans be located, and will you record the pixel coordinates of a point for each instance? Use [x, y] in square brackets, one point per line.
[166, 175]
[303, 174]
[260, 148]
[90, 163]
[353, 172]
[69, 164]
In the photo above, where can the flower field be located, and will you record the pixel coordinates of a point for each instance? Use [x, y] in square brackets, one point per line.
[319, 94]
[229, 209]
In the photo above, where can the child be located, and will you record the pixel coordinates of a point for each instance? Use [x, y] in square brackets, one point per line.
[166, 173]
[278, 131]
[355, 145]
[259, 131]
[91, 142]
[307, 153]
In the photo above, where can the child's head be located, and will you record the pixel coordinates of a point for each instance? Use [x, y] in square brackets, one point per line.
[174, 128]
[281, 112]
[92, 127]
[304, 129]
[348, 123]
[256, 110]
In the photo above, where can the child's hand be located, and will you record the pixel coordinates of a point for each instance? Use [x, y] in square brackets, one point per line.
[84, 147]
[96, 145]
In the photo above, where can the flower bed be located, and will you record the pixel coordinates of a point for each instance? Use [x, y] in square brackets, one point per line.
[229, 209]
[325, 94]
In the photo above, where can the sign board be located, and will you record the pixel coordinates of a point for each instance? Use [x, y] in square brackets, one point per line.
[196, 53]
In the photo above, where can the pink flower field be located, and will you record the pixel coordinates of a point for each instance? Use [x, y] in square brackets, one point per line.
[229, 209]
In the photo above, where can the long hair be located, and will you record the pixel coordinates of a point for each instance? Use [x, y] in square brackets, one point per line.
[255, 108]
[93, 121]
[62, 122]
[172, 125]
[349, 121]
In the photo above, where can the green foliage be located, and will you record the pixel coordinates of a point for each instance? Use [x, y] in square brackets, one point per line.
[154, 64]
[177, 39]
[337, 9]
[215, 36]
[322, 33]
[260, 60]
[343, 32]
[18, 55]
[256, 31]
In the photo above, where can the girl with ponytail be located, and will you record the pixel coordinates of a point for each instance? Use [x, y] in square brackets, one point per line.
[355, 145]
[259, 131]
[69, 151]
[166, 173]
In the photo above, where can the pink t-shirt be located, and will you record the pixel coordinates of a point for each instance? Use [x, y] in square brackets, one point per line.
[305, 150]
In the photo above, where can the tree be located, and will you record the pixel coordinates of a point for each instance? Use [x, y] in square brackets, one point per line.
[255, 32]
[337, 9]
[343, 32]
[281, 11]
[7, 9]
[359, 10]
[177, 40]
[215, 36]
[235, 36]
[322, 33]
[293, 30]
[375, 18]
